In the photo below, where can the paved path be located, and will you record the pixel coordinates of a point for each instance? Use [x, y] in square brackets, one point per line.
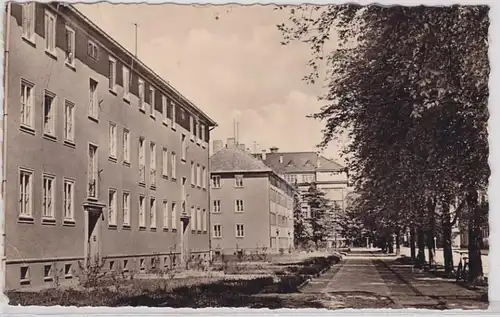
[373, 281]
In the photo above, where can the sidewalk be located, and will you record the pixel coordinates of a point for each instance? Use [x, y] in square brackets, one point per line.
[439, 258]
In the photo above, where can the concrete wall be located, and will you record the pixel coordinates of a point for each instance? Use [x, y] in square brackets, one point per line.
[256, 217]
[34, 243]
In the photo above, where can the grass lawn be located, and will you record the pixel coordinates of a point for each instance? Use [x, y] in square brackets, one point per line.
[241, 285]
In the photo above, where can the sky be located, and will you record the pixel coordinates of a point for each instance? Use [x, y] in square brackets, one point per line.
[229, 61]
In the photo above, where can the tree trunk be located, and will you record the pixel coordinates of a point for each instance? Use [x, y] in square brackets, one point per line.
[421, 247]
[475, 262]
[447, 250]
[398, 243]
[412, 243]
[430, 233]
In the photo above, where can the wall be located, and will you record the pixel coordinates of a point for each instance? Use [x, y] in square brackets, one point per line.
[255, 194]
[34, 242]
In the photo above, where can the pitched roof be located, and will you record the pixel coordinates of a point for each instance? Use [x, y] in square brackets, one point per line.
[236, 160]
[300, 162]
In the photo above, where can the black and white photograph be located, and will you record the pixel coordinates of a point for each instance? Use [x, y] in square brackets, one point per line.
[320, 156]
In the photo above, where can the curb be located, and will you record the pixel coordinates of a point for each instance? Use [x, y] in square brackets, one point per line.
[303, 284]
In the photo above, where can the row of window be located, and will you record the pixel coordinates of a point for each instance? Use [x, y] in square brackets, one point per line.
[238, 206]
[197, 129]
[238, 181]
[299, 178]
[239, 230]
[169, 213]
[49, 189]
[281, 199]
[47, 273]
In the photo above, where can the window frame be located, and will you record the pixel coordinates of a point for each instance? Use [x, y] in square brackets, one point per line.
[238, 235]
[216, 206]
[112, 74]
[152, 101]
[141, 91]
[28, 30]
[215, 231]
[50, 129]
[237, 208]
[165, 159]
[70, 60]
[113, 141]
[69, 133]
[238, 181]
[71, 185]
[93, 109]
[21, 187]
[216, 184]
[93, 49]
[165, 214]
[126, 146]
[112, 198]
[50, 47]
[27, 103]
[152, 213]
[126, 83]
[142, 211]
[53, 185]
[126, 207]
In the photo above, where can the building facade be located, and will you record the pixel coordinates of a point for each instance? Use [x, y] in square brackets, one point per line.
[103, 159]
[306, 168]
[252, 206]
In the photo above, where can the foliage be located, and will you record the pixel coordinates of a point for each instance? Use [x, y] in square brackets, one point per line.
[321, 211]
[410, 87]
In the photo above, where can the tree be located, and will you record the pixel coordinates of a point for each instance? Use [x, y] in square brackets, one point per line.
[320, 207]
[302, 230]
[410, 85]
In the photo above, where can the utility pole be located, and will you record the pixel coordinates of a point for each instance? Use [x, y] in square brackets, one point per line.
[135, 52]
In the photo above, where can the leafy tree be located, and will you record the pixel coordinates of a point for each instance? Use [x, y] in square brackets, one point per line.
[302, 230]
[410, 85]
[321, 210]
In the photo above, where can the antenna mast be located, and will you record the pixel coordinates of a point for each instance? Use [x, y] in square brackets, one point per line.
[135, 52]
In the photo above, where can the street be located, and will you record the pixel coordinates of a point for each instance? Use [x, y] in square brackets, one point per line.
[365, 279]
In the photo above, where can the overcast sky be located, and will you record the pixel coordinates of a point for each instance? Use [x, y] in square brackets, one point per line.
[228, 60]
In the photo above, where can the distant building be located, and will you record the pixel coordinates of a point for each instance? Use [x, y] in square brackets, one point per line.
[305, 168]
[99, 155]
[251, 205]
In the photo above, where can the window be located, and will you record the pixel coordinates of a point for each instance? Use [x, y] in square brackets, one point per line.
[125, 265]
[198, 175]
[92, 171]
[25, 194]
[126, 209]
[142, 265]
[164, 160]
[217, 231]
[112, 73]
[68, 199]
[191, 127]
[50, 32]
[151, 101]
[68, 273]
[70, 46]
[112, 140]
[193, 175]
[203, 134]
[141, 94]
[216, 206]
[164, 108]
[173, 116]
[112, 207]
[152, 163]
[93, 50]
[47, 272]
[48, 197]
[173, 166]
[193, 218]
[204, 219]
[152, 213]
[215, 181]
[142, 154]
[69, 120]
[240, 233]
[126, 83]
[198, 219]
[204, 177]
[239, 205]
[197, 131]
[142, 213]
[111, 266]
[27, 97]
[126, 146]
[174, 216]
[49, 113]
[183, 147]
[29, 21]
[25, 275]
[165, 214]
[93, 103]
[238, 180]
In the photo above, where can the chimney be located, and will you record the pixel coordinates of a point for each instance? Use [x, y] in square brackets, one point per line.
[274, 149]
[231, 143]
[217, 145]
[263, 155]
[241, 146]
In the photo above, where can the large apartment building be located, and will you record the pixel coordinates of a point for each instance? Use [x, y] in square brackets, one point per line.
[252, 206]
[305, 168]
[102, 157]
